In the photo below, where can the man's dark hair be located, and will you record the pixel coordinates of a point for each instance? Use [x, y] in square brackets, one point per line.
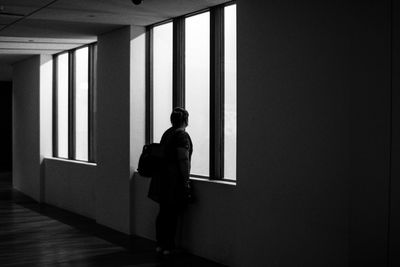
[179, 117]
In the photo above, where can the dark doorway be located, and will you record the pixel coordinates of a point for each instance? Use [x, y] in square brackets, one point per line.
[6, 126]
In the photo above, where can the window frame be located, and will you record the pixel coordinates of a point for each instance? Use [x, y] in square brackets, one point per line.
[92, 74]
[216, 164]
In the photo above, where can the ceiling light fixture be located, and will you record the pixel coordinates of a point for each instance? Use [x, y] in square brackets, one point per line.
[137, 2]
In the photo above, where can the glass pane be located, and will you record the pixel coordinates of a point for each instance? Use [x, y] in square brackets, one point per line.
[197, 68]
[81, 104]
[230, 93]
[62, 105]
[162, 79]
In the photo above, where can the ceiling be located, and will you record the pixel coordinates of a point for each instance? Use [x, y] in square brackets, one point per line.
[52, 26]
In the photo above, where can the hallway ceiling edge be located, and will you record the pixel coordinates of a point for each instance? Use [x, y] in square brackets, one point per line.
[52, 26]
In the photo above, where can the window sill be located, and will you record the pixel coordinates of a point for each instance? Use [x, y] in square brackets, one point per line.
[207, 180]
[197, 179]
[73, 161]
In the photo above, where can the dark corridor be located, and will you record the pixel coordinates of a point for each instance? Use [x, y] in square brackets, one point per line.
[6, 126]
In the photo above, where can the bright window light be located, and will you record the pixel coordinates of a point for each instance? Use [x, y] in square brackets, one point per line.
[230, 93]
[197, 86]
[162, 79]
[62, 105]
[82, 104]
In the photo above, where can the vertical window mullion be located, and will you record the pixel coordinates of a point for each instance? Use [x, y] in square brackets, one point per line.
[149, 86]
[71, 117]
[216, 92]
[178, 62]
[55, 107]
[91, 103]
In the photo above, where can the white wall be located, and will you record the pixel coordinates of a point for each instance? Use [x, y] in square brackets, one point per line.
[46, 115]
[137, 122]
[113, 129]
[32, 123]
[71, 186]
[26, 127]
[137, 94]
[209, 224]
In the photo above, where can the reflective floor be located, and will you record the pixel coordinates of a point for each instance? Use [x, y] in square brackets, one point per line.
[42, 235]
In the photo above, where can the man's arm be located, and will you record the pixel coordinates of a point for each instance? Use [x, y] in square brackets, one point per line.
[184, 163]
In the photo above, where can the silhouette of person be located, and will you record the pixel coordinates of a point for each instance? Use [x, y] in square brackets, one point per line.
[172, 179]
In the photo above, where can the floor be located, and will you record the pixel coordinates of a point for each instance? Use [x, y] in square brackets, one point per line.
[33, 234]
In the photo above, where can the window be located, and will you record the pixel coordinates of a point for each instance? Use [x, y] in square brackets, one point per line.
[82, 104]
[197, 88]
[74, 104]
[62, 84]
[162, 78]
[191, 62]
[230, 92]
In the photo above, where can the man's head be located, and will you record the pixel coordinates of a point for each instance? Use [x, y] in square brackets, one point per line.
[179, 117]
